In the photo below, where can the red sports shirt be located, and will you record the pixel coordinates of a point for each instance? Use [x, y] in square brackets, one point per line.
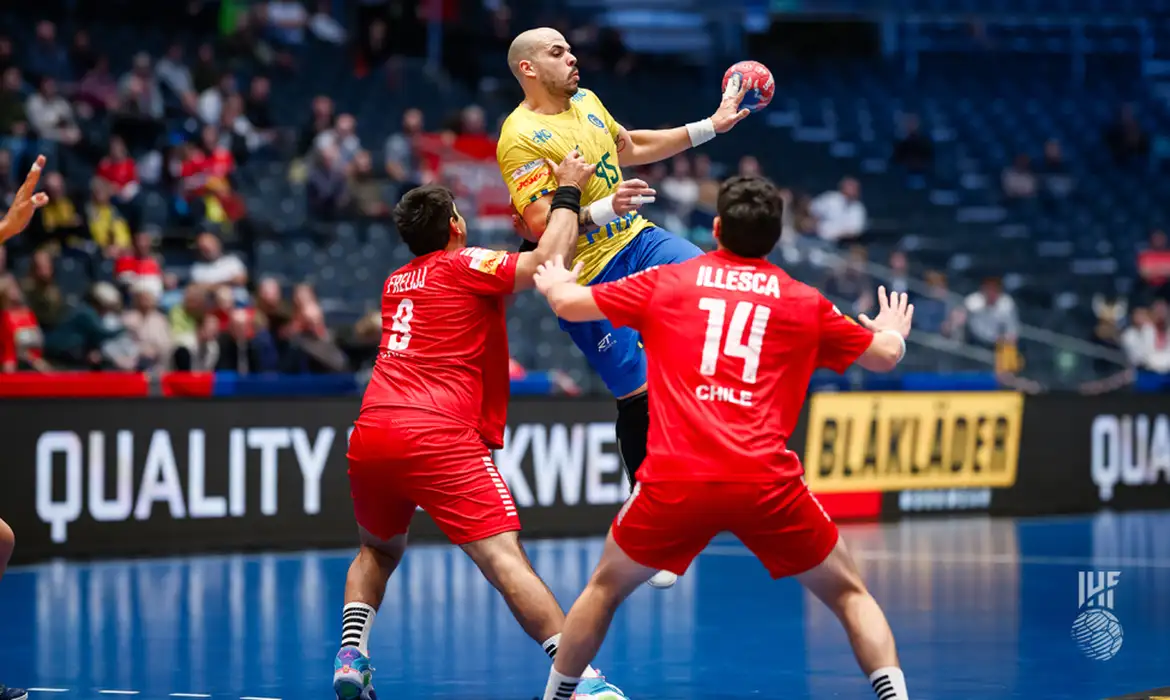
[731, 345]
[444, 343]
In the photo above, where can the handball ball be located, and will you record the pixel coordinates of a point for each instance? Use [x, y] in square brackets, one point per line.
[758, 79]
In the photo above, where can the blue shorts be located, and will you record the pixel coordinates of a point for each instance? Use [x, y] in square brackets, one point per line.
[616, 353]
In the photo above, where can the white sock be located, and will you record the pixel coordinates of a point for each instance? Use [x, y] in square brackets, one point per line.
[356, 621]
[889, 683]
[560, 686]
[553, 643]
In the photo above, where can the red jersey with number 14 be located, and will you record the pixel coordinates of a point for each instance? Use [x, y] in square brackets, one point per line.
[731, 345]
[444, 346]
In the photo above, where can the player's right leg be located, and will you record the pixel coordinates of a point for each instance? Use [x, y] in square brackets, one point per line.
[837, 583]
[7, 544]
[787, 529]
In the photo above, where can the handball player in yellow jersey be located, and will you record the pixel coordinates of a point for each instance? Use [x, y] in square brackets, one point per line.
[556, 117]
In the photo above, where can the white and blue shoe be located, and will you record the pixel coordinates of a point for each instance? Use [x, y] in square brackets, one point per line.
[353, 676]
[598, 689]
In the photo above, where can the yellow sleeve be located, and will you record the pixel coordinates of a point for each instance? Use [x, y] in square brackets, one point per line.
[525, 170]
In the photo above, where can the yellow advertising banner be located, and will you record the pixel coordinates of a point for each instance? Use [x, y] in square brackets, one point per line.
[912, 440]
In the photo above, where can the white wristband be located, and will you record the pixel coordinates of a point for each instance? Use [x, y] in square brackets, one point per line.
[900, 338]
[601, 211]
[701, 132]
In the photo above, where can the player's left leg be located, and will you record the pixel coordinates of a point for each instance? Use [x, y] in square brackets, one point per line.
[7, 544]
[379, 454]
[663, 526]
[653, 246]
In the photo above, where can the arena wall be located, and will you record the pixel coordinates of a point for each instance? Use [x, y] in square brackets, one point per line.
[126, 477]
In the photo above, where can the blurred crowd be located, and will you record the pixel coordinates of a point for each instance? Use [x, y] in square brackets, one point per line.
[137, 158]
[146, 206]
[145, 320]
[146, 199]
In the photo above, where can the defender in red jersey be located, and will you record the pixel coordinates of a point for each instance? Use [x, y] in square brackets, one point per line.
[732, 342]
[435, 408]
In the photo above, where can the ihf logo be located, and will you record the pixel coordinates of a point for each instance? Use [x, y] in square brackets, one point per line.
[1097, 631]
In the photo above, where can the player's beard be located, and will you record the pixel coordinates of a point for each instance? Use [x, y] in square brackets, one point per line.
[563, 89]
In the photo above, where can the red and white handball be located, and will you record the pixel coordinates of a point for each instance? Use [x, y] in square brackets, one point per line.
[757, 77]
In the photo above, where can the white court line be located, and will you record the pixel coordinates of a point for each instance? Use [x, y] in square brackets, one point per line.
[252, 697]
[1008, 559]
[118, 692]
[48, 690]
[190, 695]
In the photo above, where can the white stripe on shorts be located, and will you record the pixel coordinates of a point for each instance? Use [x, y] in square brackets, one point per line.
[501, 487]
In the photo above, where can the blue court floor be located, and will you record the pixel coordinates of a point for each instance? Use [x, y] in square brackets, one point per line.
[982, 608]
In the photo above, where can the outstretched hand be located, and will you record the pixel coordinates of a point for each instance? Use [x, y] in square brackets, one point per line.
[895, 313]
[553, 272]
[25, 203]
[729, 114]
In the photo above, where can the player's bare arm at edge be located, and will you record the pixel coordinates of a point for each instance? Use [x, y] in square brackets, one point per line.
[890, 328]
[26, 201]
[560, 232]
[643, 146]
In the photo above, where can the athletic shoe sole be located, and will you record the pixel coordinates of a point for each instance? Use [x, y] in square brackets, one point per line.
[348, 685]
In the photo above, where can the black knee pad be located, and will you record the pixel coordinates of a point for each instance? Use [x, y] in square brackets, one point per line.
[633, 423]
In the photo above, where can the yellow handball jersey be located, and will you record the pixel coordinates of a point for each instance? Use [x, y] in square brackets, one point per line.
[529, 140]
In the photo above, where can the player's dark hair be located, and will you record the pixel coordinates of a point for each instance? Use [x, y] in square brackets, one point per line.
[423, 217]
[751, 214]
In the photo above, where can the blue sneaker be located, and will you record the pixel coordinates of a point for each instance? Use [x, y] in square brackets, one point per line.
[353, 676]
[598, 689]
[7, 693]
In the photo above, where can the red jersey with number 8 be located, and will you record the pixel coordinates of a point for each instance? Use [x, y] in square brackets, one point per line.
[731, 345]
[444, 347]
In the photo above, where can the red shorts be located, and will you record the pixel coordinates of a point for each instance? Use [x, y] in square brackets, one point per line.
[665, 524]
[399, 461]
